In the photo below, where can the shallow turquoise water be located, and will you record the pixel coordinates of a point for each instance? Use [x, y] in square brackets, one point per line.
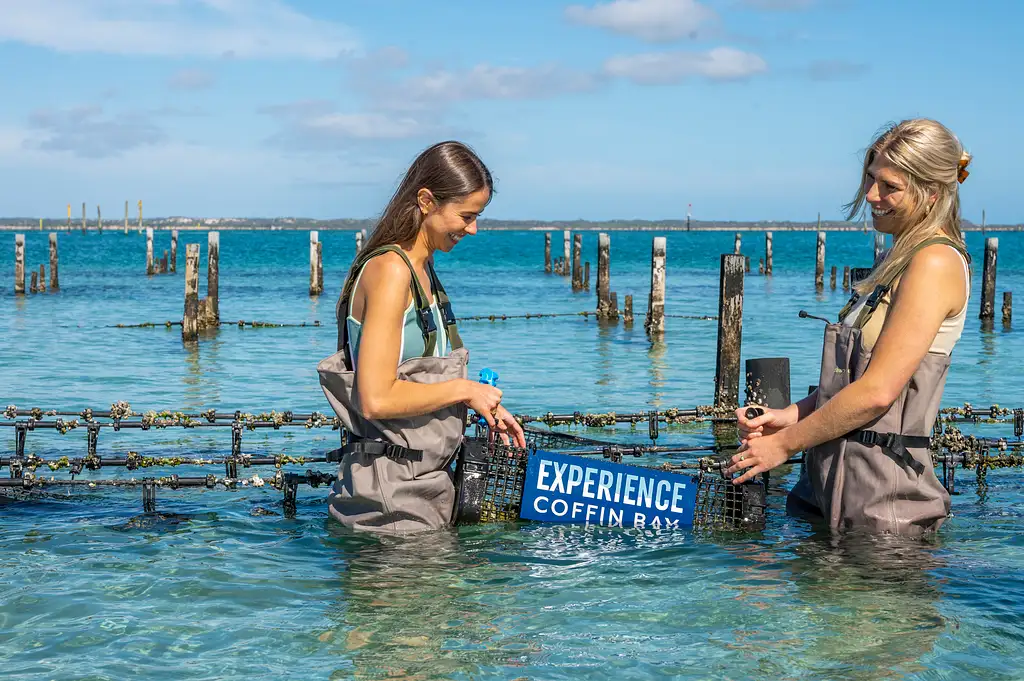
[207, 590]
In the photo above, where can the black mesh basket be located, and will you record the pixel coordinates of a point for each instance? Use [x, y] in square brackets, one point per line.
[490, 478]
[551, 440]
[489, 482]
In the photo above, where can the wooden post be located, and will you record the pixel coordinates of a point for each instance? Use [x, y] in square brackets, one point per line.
[737, 243]
[69, 217]
[125, 217]
[846, 278]
[819, 264]
[982, 220]
[654, 324]
[320, 266]
[314, 238]
[190, 321]
[99, 219]
[746, 264]
[586, 275]
[760, 265]
[627, 312]
[879, 247]
[140, 216]
[54, 283]
[1007, 306]
[768, 253]
[83, 218]
[163, 263]
[604, 247]
[547, 253]
[359, 242]
[613, 306]
[730, 331]
[19, 264]
[213, 277]
[34, 286]
[988, 279]
[174, 250]
[566, 258]
[577, 273]
[832, 278]
[149, 251]
[41, 287]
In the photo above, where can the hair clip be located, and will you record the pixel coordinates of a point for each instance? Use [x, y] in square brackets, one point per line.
[962, 172]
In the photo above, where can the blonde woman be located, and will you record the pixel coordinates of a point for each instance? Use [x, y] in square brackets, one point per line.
[865, 430]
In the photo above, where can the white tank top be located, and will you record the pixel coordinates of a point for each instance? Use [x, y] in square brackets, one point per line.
[949, 332]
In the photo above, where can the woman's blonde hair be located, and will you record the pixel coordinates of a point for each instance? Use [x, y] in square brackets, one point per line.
[934, 162]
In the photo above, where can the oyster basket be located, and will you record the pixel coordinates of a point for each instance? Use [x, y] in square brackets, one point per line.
[490, 478]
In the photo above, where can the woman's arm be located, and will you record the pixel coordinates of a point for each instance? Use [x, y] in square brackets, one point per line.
[932, 289]
[385, 285]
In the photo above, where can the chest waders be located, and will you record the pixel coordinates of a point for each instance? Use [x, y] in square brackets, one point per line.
[393, 477]
[878, 478]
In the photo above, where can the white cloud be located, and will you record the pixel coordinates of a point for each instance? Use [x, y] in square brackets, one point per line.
[87, 132]
[440, 88]
[207, 28]
[669, 68]
[653, 21]
[191, 79]
[318, 125]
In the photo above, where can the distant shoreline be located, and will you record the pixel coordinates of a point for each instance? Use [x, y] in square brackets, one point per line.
[352, 225]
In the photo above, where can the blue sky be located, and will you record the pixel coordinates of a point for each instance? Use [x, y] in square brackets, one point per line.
[748, 109]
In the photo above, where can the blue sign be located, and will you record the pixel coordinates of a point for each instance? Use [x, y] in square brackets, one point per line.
[562, 488]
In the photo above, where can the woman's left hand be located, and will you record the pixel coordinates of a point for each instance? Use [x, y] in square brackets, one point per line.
[758, 455]
[505, 424]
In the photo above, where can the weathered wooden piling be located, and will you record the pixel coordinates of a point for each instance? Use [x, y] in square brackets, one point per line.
[190, 321]
[547, 253]
[99, 219]
[320, 266]
[213, 277]
[174, 250]
[566, 257]
[613, 306]
[150, 265]
[314, 238]
[140, 215]
[83, 218]
[1007, 307]
[69, 217]
[586, 276]
[163, 263]
[879, 247]
[730, 331]
[746, 264]
[819, 263]
[34, 285]
[54, 282]
[41, 287]
[627, 311]
[832, 278]
[19, 264]
[768, 253]
[737, 243]
[359, 242]
[846, 278]
[577, 266]
[125, 217]
[760, 265]
[654, 323]
[988, 279]
[604, 246]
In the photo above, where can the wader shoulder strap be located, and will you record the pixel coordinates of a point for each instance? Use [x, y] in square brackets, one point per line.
[885, 286]
[445, 305]
[424, 317]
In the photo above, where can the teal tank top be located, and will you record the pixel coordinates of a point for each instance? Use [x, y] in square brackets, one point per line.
[412, 336]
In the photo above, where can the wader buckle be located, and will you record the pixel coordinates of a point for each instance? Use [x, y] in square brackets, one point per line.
[427, 320]
[876, 297]
[446, 313]
[875, 439]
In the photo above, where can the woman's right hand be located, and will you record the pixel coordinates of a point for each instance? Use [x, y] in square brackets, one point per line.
[768, 423]
[483, 399]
